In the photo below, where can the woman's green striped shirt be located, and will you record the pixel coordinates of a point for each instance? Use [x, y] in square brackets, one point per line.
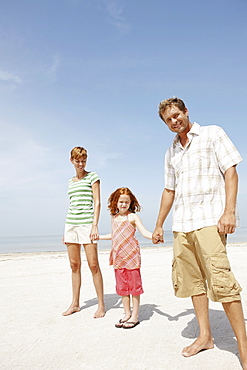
[80, 193]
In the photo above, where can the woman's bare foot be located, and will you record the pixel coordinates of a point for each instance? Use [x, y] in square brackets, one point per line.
[198, 345]
[71, 310]
[99, 313]
[242, 349]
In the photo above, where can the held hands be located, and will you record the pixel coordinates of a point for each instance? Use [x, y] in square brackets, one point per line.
[227, 223]
[157, 236]
[94, 235]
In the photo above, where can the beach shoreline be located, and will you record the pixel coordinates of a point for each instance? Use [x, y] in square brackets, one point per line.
[106, 251]
[50, 243]
[35, 289]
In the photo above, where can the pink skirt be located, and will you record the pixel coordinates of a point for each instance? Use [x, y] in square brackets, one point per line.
[128, 282]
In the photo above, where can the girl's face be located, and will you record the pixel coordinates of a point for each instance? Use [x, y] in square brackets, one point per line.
[123, 204]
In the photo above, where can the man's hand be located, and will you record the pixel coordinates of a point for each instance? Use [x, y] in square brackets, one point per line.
[157, 236]
[227, 223]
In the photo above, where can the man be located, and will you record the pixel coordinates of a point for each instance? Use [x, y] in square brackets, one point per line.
[201, 180]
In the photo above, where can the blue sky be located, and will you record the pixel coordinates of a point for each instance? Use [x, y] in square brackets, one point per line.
[92, 73]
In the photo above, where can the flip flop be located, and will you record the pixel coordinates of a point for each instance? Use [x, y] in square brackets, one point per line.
[132, 324]
[120, 323]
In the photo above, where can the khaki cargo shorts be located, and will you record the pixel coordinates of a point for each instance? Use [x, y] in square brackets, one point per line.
[200, 265]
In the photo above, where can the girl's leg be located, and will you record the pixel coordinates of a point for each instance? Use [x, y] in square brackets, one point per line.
[134, 277]
[136, 305]
[127, 310]
[133, 320]
[93, 263]
[74, 252]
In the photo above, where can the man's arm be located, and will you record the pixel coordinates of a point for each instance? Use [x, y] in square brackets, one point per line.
[227, 222]
[165, 207]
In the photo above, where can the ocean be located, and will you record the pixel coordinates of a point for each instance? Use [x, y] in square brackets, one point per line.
[53, 243]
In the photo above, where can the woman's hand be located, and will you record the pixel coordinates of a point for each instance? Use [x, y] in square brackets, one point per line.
[94, 235]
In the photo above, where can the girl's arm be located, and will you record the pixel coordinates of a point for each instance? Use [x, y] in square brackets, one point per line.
[136, 221]
[96, 202]
[105, 237]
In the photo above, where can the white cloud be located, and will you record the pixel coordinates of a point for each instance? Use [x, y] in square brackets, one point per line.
[54, 65]
[20, 158]
[116, 18]
[9, 77]
[9, 80]
[114, 8]
[32, 184]
[105, 157]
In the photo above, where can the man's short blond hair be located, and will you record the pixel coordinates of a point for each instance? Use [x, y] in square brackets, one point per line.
[78, 152]
[168, 103]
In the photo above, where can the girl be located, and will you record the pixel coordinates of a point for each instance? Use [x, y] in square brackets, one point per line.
[125, 253]
[81, 227]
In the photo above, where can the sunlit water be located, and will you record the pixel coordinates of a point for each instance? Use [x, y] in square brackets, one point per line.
[54, 243]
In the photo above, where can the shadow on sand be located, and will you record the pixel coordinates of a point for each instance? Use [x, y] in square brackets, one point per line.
[111, 301]
[222, 332]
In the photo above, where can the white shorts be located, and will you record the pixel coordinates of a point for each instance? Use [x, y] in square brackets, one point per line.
[78, 234]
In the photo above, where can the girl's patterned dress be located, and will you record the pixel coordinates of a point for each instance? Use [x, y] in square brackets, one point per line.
[125, 252]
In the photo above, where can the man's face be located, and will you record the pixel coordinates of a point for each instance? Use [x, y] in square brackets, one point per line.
[177, 120]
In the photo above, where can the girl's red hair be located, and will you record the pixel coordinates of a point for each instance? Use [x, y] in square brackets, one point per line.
[113, 200]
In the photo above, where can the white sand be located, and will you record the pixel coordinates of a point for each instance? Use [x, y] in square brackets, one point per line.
[35, 289]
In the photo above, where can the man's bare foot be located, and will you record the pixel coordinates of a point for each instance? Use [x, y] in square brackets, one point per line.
[71, 310]
[99, 313]
[197, 346]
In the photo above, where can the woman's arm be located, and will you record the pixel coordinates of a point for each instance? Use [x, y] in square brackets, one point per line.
[136, 221]
[96, 203]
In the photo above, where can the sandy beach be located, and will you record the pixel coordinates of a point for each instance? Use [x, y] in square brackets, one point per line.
[36, 289]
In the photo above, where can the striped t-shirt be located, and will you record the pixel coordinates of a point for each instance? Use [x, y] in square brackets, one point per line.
[80, 193]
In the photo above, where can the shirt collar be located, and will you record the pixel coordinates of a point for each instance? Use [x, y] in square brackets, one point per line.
[195, 130]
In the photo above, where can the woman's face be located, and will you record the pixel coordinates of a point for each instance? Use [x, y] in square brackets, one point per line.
[79, 163]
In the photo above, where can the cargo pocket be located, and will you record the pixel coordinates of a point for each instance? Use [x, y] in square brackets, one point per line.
[223, 281]
[174, 275]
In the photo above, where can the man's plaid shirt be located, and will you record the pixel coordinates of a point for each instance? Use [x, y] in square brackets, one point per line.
[196, 174]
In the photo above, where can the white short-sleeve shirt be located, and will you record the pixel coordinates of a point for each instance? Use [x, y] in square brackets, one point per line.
[195, 173]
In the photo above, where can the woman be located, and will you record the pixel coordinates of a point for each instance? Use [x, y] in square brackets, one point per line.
[81, 228]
